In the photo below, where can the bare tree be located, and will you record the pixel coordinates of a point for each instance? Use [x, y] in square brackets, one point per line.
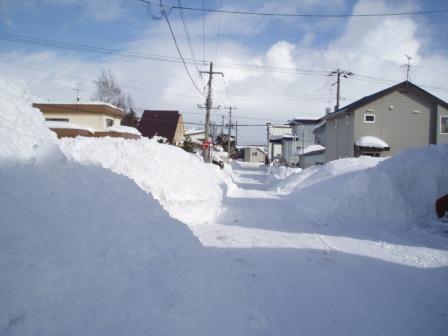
[130, 117]
[108, 90]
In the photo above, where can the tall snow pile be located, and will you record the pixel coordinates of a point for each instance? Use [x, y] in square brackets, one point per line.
[24, 136]
[399, 190]
[85, 251]
[188, 189]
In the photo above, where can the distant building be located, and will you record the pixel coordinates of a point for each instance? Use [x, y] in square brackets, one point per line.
[275, 140]
[166, 124]
[254, 154]
[195, 135]
[399, 117]
[95, 115]
[302, 137]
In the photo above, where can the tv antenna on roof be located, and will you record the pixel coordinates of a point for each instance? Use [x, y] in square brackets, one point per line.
[408, 67]
[77, 89]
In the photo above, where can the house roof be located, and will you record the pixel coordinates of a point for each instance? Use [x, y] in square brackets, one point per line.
[193, 131]
[366, 100]
[80, 107]
[304, 121]
[159, 122]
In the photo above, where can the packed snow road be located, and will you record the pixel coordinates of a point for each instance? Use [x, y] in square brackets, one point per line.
[307, 281]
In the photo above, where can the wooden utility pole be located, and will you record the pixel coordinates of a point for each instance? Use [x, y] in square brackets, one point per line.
[339, 73]
[230, 108]
[208, 106]
[236, 133]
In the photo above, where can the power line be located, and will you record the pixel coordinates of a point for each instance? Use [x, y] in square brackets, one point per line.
[177, 47]
[190, 44]
[424, 12]
[93, 80]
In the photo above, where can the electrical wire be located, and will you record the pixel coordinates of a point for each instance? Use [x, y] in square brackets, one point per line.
[178, 49]
[423, 12]
[190, 44]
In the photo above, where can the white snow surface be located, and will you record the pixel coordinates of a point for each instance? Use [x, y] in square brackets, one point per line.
[313, 148]
[371, 141]
[123, 129]
[187, 188]
[84, 251]
[68, 125]
[352, 247]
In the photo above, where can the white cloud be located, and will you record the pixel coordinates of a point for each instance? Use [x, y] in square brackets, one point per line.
[367, 46]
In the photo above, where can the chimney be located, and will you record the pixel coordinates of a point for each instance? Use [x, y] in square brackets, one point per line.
[327, 110]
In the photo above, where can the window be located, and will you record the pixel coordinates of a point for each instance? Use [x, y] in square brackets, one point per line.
[336, 122]
[109, 122]
[57, 119]
[371, 154]
[369, 118]
[444, 125]
[254, 154]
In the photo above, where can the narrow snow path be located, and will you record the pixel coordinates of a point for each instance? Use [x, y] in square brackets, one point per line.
[255, 217]
[313, 283]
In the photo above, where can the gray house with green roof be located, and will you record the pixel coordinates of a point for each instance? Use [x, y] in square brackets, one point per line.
[399, 117]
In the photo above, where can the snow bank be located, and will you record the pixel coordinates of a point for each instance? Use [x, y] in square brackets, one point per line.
[85, 251]
[188, 189]
[317, 174]
[23, 134]
[279, 172]
[399, 190]
[123, 129]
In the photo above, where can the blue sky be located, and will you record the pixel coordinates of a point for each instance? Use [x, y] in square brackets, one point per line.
[373, 47]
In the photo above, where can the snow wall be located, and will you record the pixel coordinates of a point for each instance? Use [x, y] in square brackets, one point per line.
[85, 251]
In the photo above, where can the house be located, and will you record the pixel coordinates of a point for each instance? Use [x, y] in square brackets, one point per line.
[166, 124]
[399, 117]
[313, 155]
[302, 136]
[255, 154]
[319, 134]
[275, 136]
[195, 135]
[95, 115]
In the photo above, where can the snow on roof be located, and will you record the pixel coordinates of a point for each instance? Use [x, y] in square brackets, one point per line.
[313, 148]
[193, 131]
[78, 103]
[123, 129]
[371, 141]
[68, 125]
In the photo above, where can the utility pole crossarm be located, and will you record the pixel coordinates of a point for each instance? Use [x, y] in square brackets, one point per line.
[339, 73]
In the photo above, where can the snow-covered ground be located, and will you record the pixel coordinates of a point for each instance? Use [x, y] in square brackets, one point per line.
[131, 237]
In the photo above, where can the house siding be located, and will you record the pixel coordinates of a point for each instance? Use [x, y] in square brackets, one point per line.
[248, 157]
[440, 138]
[402, 119]
[95, 121]
[339, 137]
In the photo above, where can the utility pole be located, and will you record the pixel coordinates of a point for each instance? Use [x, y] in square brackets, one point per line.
[230, 108]
[222, 124]
[236, 133]
[77, 89]
[268, 125]
[339, 73]
[208, 106]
